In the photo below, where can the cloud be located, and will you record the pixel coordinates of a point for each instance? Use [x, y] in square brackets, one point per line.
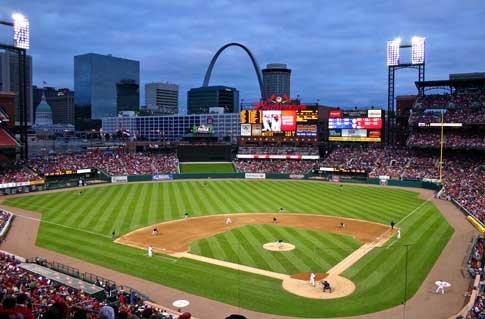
[335, 49]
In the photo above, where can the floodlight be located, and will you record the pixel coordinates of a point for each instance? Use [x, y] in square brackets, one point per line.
[21, 37]
[417, 50]
[393, 52]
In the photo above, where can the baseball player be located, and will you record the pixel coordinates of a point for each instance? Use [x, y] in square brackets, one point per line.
[398, 234]
[441, 287]
[150, 251]
[228, 221]
[312, 279]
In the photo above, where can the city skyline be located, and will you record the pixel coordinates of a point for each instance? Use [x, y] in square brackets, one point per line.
[336, 51]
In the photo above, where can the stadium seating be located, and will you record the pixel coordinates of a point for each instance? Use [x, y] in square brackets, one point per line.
[47, 298]
[274, 166]
[111, 163]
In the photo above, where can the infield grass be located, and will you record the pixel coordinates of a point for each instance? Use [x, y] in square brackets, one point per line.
[207, 168]
[314, 251]
[81, 226]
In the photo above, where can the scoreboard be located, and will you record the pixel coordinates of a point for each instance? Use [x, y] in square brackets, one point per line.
[355, 125]
[286, 123]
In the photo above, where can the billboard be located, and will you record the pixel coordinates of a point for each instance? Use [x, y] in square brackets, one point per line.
[287, 123]
[355, 126]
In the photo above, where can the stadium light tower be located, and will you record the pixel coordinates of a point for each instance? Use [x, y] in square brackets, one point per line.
[21, 42]
[393, 63]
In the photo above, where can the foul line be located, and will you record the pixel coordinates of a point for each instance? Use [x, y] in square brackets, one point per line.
[60, 225]
[414, 210]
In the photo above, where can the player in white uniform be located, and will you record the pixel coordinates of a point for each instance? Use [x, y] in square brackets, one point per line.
[312, 279]
[228, 221]
[150, 251]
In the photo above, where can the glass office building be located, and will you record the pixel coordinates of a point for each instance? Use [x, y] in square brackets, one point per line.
[200, 100]
[173, 128]
[95, 85]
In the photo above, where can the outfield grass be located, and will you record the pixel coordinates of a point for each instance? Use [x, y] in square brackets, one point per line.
[207, 168]
[315, 251]
[85, 222]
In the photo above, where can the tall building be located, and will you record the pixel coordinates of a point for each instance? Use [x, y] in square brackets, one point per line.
[162, 98]
[9, 81]
[276, 80]
[200, 100]
[96, 80]
[127, 96]
[61, 102]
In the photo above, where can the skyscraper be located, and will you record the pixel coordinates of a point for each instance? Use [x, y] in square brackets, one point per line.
[9, 81]
[200, 100]
[96, 80]
[162, 98]
[276, 80]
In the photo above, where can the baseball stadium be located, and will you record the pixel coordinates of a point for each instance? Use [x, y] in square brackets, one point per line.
[306, 211]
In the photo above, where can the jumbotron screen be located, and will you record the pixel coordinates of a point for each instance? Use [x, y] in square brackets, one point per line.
[355, 125]
[287, 123]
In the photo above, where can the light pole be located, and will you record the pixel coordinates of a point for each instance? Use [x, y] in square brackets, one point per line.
[21, 42]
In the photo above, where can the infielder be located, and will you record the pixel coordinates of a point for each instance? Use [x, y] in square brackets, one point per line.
[150, 251]
[398, 234]
[228, 221]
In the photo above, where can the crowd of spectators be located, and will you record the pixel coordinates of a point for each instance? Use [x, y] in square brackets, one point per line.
[464, 181]
[466, 108]
[29, 296]
[374, 160]
[464, 116]
[450, 101]
[278, 150]
[274, 166]
[109, 162]
[451, 139]
[475, 266]
[463, 177]
[17, 175]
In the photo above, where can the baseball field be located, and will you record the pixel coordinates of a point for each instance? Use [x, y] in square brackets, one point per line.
[80, 224]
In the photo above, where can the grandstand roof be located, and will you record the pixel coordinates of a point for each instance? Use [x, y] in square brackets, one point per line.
[6, 140]
[452, 83]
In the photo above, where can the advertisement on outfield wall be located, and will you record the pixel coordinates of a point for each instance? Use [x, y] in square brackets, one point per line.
[119, 179]
[162, 177]
[255, 175]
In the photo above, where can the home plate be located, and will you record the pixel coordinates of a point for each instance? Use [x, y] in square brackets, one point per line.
[180, 303]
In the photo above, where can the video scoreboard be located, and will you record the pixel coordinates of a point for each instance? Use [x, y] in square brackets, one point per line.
[287, 123]
[355, 125]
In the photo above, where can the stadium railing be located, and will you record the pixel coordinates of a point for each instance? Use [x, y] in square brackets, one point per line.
[473, 295]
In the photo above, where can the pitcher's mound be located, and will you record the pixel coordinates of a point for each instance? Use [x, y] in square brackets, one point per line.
[278, 246]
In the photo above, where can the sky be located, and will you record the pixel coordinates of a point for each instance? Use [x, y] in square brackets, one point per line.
[335, 49]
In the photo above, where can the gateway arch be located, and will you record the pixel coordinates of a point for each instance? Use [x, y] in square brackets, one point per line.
[214, 59]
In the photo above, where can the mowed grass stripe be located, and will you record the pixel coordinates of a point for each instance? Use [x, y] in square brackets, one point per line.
[91, 216]
[241, 247]
[77, 215]
[105, 221]
[246, 290]
[270, 258]
[301, 257]
[155, 209]
[123, 224]
[199, 192]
